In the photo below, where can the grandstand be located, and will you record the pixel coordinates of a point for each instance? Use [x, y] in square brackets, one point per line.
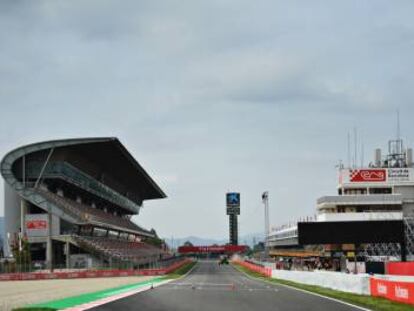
[73, 199]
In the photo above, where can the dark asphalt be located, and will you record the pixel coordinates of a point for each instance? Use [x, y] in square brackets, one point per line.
[213, 287]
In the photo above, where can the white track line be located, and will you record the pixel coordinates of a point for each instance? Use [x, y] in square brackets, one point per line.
[307, 292]
[103, 301]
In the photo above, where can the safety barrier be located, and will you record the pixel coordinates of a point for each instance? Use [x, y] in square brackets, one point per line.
[91, 274]
[361, 284]
[392, 290]
[265, 271]
[400, 268]
[350, 283]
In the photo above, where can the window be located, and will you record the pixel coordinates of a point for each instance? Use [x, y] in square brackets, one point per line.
[380, 190]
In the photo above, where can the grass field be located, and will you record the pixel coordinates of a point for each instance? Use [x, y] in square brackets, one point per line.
[369, 302]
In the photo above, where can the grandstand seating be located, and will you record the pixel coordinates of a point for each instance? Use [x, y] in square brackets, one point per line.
[88, 214]
[138, 252]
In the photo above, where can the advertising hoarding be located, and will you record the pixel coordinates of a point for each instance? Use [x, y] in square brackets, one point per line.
[393, 290]
[212, 249]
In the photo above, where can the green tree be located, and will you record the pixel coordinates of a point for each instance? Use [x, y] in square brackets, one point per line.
[21, 254]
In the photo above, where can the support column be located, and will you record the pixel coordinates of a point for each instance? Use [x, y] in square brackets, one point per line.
[67, 255]
[49, 246]
[23, 212]
[233, 226]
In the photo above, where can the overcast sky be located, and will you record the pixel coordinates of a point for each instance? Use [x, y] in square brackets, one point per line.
[212, 96]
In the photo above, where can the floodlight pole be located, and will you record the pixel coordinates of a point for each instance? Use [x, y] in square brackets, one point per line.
[265, 199]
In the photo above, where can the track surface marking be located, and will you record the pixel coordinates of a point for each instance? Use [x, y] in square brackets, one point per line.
[213, 287]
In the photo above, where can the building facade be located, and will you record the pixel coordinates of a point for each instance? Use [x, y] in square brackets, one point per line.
[381, 193]
[72, 200]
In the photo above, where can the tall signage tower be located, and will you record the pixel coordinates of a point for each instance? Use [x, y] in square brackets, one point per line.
[233, 209]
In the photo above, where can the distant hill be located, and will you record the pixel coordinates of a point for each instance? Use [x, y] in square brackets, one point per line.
[194, 240]
[244, 239]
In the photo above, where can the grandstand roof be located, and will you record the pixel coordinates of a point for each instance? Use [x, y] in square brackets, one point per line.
[106, 152]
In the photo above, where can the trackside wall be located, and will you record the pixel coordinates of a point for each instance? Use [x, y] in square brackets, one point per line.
[396, 288]
[350, 283]
[91, 274]
[265, 271]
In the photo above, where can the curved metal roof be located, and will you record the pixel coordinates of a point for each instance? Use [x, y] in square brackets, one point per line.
[125, 161]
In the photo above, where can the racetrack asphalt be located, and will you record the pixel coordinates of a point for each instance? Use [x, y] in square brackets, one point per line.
[213, 287]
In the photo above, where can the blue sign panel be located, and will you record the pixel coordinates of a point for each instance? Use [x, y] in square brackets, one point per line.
[233, 199]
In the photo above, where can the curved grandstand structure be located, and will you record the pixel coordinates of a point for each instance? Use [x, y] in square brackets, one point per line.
[73, 200]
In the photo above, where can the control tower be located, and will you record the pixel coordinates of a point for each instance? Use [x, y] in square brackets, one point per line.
[233, 210]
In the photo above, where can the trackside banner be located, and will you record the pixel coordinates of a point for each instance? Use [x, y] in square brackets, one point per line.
[393, 290]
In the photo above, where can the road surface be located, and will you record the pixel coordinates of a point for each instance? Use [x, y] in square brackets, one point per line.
[213, 287]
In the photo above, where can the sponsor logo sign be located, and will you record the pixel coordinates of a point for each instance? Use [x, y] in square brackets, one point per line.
[36, 225]
[376, 175]
[381, 288]
[368, 175]
[401, 292]
[233, 199]
[233, 203]
[393, 290]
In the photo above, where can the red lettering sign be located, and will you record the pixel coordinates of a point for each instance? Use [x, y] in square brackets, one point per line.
[374, 175]
[36, 224]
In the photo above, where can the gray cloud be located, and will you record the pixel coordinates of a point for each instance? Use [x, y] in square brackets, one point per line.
[212, 96]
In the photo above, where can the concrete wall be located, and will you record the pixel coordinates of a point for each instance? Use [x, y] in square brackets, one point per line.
[351, 283]
[408, 194]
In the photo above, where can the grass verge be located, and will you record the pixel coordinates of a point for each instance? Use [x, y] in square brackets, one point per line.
[369, 302]
[181, 271]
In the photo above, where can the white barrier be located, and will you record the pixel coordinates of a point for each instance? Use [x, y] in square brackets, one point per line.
[351, 283]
